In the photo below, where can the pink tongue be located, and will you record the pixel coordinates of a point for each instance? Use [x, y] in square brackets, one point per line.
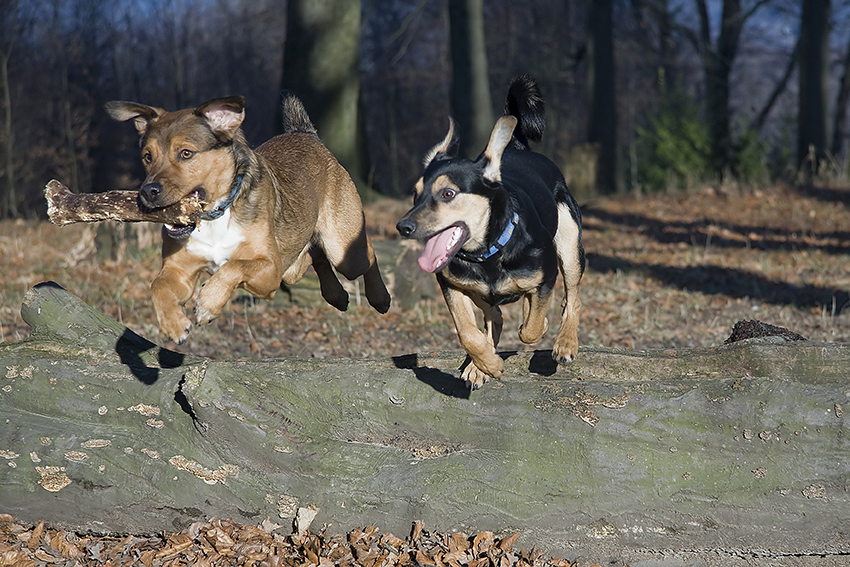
[438, 248]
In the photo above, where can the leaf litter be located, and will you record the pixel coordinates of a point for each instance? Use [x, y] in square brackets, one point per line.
[218, 543]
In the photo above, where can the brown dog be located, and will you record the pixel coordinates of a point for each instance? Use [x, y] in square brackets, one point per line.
[267, 216]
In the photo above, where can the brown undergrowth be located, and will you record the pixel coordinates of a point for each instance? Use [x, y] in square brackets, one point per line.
[670, 270]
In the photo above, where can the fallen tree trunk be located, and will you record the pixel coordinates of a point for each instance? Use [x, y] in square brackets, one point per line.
[65, 207]
[742, 448]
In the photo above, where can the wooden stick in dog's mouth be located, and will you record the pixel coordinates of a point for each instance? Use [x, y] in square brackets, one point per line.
[65, 207]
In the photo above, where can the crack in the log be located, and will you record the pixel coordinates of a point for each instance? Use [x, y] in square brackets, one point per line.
[186, 406]
[761, 553]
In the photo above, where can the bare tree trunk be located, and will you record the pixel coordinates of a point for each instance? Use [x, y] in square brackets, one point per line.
[67, 115]
[814, 57]
[603, 104]
[321, 66]
[717, 64]
[10, 205]
[841, 102]
[472, 106]
[666, 51]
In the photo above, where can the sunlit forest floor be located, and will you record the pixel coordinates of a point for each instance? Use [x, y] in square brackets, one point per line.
[666, 270]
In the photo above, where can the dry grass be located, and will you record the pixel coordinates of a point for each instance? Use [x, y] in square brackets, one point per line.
[673, 270]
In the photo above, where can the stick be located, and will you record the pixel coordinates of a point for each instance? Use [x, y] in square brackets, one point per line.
[65, 207]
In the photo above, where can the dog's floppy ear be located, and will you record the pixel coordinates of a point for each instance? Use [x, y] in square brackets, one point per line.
[224, 115]
[445, 149]
[500, 137]
[141, 114]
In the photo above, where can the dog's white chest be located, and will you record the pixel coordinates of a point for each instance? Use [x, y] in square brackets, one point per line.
[216, 240]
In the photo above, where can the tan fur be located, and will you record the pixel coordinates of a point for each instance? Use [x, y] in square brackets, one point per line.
[565, 348]
[500, 137]
[474, 210]
[442, 147]
[302, 209]
[481, 346]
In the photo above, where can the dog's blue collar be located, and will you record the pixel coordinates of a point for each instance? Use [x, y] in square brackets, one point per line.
[219, 210]
[494, 248]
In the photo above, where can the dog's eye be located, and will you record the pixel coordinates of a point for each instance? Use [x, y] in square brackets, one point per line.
[448, 194]
[186, 154]
[147, 157]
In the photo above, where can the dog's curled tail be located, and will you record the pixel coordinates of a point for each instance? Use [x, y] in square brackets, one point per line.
[294, 116]
[525, 103]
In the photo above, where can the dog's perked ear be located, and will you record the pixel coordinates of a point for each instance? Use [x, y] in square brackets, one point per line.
[500, 137]
[445, 149]
[224, 115]
[142, 115]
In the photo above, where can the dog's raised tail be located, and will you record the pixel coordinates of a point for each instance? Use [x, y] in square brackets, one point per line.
[525, 103]
[294, 116]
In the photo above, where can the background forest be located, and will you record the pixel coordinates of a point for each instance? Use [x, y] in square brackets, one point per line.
[641, 94]
[706, 142]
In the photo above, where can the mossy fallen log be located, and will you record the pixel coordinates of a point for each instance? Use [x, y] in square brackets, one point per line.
[743, 447]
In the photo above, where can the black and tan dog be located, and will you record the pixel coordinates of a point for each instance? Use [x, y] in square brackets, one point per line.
[267, 216]
[498, 229]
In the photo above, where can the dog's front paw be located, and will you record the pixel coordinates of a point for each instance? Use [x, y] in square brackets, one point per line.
[565, 350]
[177, 328]
[475, 377]
[203, 315]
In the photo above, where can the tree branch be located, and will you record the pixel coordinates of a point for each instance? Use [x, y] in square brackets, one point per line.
[65, 207]
[777, 90]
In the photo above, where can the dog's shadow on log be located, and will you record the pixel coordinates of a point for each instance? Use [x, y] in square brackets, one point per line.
[541, 363]
[442, 382]
[130, 347]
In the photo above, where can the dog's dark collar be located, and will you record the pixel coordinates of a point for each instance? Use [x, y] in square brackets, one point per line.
[494, 248]
[219, 210]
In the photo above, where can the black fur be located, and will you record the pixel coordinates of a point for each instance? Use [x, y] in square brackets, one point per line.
[527, 181]
[511, 186]
[531, 185]
[525, 102]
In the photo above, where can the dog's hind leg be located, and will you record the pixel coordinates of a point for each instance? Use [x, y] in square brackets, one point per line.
[376, 291]
[480, 346]
[349, 249]
[570, 259]
[492, 319]
[332, 290]
[535, 304]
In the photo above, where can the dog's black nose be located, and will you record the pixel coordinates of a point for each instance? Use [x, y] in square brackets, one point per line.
[405, 227]
[150, 192]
